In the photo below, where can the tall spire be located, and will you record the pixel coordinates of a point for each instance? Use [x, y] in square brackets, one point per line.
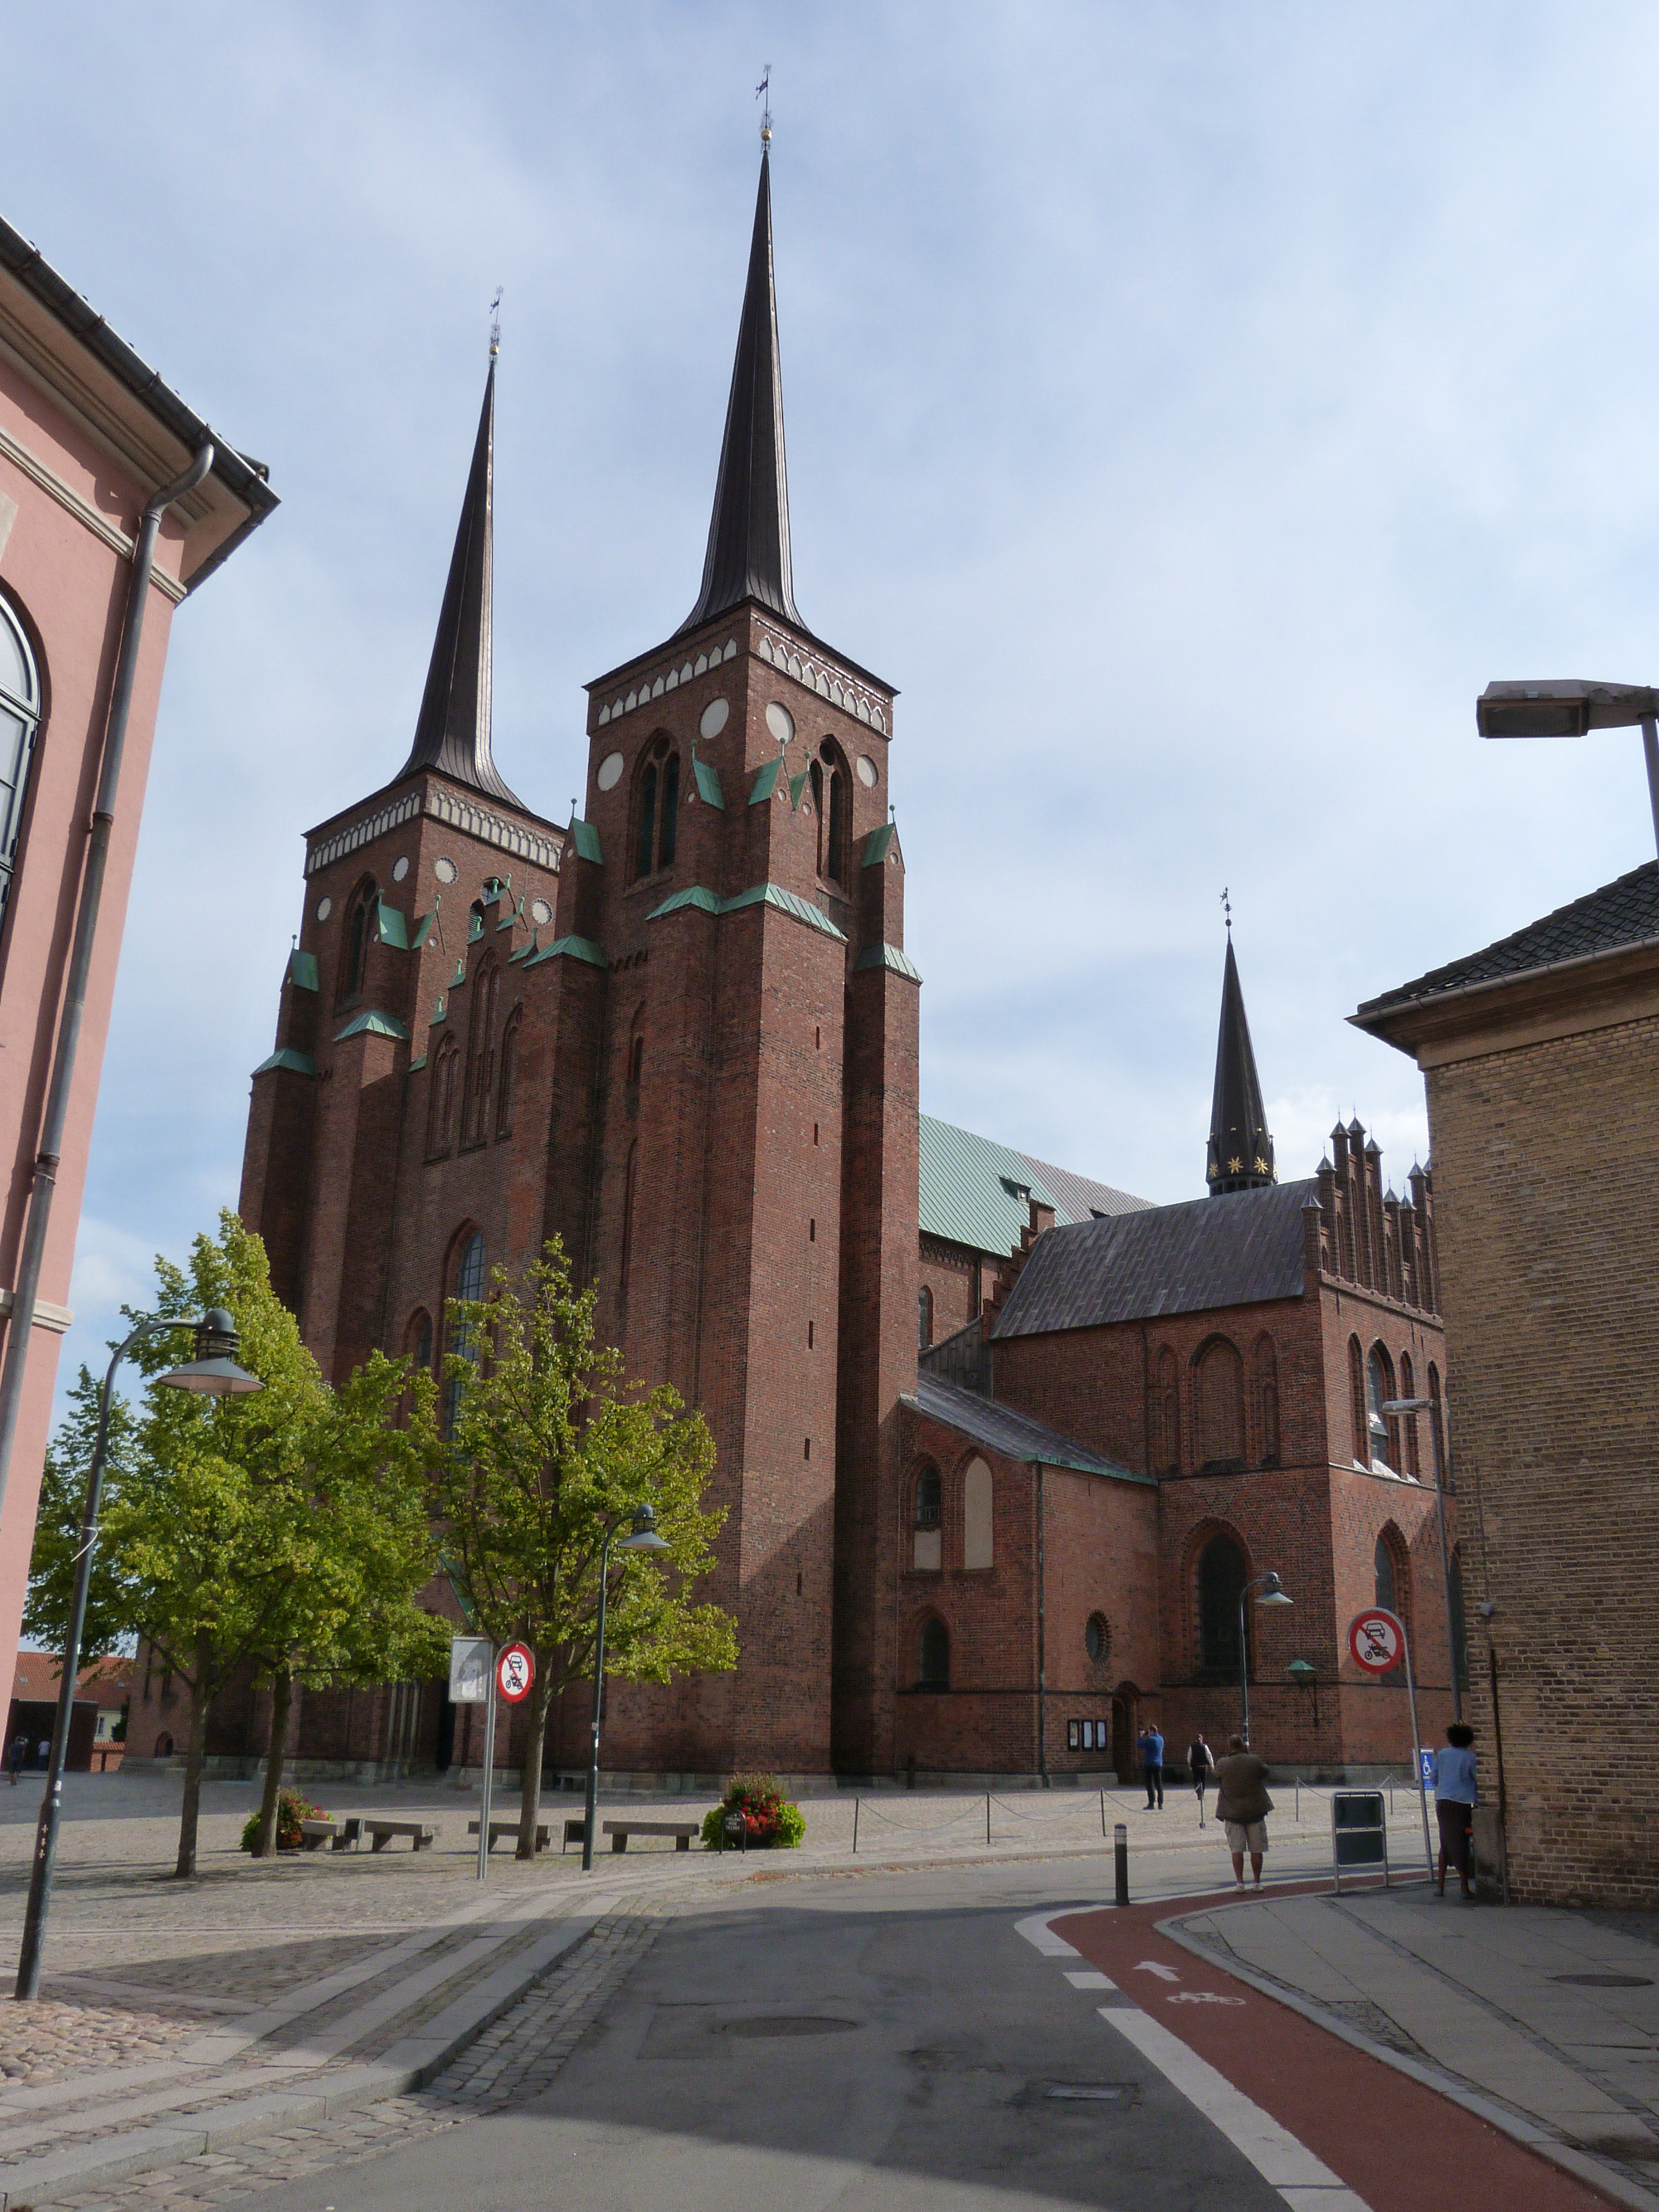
[748, 555]
[1241, 1148]
[453, 733]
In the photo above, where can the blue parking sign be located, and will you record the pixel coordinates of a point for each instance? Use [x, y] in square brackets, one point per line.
[1425, 1762]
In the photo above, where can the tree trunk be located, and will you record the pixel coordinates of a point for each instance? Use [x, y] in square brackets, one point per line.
[282, 1697]
[530, 1802]
[200, 1699]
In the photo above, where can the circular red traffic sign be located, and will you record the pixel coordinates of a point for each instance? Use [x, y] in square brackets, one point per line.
[1377, 1639]
[515, 1670]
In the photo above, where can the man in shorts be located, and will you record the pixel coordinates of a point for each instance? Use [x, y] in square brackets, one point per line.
[1242, 1805]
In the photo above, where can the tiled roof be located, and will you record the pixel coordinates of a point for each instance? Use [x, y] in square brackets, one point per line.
[1000, 1428]
[1620, 914]
[971, 1190]
[36, 1679]
[1238, 1250]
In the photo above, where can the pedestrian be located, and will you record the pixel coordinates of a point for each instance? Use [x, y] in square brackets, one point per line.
[20, 1752]
[1152, 1765]
[1242, 1804]
[1454, 1800]
[1200, 1764]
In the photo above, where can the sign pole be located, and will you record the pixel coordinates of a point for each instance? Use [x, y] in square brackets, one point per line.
[489, 1770]
[1417, 1750]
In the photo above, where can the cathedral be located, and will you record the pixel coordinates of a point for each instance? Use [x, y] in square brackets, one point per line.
[1004, 1452]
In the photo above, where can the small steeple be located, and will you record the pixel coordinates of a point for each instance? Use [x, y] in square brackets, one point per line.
[748, 555]
[1241, 1148]
[452, 732]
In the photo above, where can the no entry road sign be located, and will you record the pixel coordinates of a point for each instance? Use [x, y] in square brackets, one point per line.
[1377, 1639]
[515, 1670]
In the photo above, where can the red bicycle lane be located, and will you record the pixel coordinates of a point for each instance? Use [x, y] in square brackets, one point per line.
[1398, 2144]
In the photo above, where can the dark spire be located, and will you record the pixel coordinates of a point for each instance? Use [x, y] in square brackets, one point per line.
[453, 733]
[748, 555]
[1241, 1149]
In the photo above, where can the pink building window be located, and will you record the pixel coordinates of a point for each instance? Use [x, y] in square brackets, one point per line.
[20, 721]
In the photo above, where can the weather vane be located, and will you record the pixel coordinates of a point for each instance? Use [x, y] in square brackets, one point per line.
[1227, 908]
[763, 92]
[496, 322]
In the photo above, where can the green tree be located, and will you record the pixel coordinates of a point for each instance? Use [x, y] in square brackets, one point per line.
[283, 1530]
[550, 1447]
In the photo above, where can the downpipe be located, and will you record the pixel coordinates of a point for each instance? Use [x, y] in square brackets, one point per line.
[26, 1289]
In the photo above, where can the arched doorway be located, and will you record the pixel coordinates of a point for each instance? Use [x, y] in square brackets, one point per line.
[1125, 1703]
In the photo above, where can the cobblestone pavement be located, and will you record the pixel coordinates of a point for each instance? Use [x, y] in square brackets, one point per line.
[510, 2064]
[46, 2042]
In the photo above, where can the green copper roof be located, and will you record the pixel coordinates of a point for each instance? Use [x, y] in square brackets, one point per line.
[423, 930]
[439, 1012]
[694, 894]
[587, 842]
[570, 948]
[372, 1023]
[969, 1186]
[797, 785]
[709, 784]
[389, 926]
[302, 968]
[301, 1063]
[414, 1064]
[875, 851]
[766, 781]
[886, 955]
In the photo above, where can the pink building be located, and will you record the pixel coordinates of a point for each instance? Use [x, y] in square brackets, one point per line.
[89, 434]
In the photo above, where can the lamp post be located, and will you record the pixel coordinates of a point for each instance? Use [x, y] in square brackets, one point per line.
[212, 1374]
[1272, 1593]
[644, 1539]
[1567, 707]
[1397, 1406]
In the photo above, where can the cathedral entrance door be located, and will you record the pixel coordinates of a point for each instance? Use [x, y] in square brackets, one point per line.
[1123, 1735]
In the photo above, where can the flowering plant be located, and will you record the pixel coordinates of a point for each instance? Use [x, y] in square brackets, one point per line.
[771, 1822]
[291, 1809]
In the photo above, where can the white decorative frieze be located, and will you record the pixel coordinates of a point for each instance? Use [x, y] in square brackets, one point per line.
[444, 806]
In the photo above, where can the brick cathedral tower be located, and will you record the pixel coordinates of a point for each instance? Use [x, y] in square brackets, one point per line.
[682, 1035]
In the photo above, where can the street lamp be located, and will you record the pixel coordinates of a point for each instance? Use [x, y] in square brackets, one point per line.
[1567, 707]
[1272, 1593]
[644, 1539]
[1397, 1406]
[212, 1374]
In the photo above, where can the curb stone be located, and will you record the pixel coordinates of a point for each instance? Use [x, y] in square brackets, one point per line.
[1530, 2133]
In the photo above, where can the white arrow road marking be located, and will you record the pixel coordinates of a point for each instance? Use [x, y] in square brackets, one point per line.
[1155, 1967]
[1305, 2183]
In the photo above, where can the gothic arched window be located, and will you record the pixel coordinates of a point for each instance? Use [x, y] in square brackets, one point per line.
[468, 1287]
[645, 833]
[832, 797]
[1222, 1574]
[1381, 1430]
[480, 1053]
[1167, 1446]
[669, 835]
[926, 1553]
[1218, 1387]
[440, 1119]
[1357, 1409]
[977, 1520]
[355, 939]
[656, 810]
[1386, 1573]
[935, 1655]
[509, 1073]
[924, 1317]
[1267, 1399]
[1436, 1424]
[19, 724]
[1408, 1390]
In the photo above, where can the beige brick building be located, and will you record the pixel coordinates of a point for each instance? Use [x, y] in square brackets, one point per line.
[1541, 1056]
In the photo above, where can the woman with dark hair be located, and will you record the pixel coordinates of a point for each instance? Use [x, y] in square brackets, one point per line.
[1454, 1803]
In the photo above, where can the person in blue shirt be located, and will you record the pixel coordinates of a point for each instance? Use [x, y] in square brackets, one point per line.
[1150, 1747]
[1454, 1803]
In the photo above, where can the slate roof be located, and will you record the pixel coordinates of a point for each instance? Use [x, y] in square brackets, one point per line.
[1239, 1250]
[970, 1189]
[748, 555]
[1000, 1428]
[1622, 914]
[452, 731]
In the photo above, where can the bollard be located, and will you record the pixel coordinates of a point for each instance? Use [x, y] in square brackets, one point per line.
[1103, 1816]
[988, 1816]
[1120, 1861]
[856, 1824]
[1298, 1800]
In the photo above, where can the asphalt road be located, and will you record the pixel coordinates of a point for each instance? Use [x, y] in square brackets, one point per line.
[884, 2043]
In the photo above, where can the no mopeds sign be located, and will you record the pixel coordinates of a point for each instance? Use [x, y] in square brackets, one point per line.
[1377, 1639]
[515, 1671]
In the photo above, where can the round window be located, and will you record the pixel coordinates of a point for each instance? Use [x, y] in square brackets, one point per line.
[780, 722]
[1097, 1638]
[610, 771]
[444, 870]
[325, 907]
[400, 868]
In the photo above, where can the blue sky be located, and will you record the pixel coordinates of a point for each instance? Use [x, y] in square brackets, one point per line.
[1189, 408]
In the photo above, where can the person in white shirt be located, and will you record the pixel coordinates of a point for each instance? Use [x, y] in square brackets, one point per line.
[1454, 1796]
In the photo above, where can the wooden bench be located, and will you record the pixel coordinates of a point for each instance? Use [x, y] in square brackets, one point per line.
[381, 1833]
[620, 1830]
[338, 1835]
[499, 1828]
